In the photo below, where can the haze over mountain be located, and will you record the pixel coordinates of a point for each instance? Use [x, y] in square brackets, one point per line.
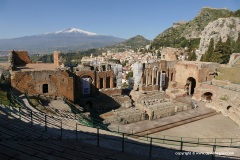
[71, 39]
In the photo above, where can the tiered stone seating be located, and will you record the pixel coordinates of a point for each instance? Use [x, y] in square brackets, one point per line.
[20, 140]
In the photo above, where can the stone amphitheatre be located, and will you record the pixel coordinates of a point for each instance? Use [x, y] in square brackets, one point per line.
[176, 110]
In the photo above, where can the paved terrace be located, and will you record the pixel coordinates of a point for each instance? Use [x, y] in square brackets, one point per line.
[37, 67]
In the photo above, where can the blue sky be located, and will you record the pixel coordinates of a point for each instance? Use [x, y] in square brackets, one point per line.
[120, 18]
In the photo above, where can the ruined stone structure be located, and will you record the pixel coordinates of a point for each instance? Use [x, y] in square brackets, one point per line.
[153, 76]
[55, 80]
[40, 79]
[233, 59]
[97, 86]
[222, 96]
[172, 75]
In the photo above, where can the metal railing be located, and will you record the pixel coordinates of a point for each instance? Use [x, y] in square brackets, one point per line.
[101, 136]
[125, 141]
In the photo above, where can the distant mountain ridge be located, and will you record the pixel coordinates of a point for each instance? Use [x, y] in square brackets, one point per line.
[71, 39]
[132, 43]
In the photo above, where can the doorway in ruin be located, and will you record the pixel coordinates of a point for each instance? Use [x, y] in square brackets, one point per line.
[107, 82]
[45, 88]
[101, 83]
[146, 116]
[228, 107]
[207, 97]
[89, 106]
[190, 85]
[86, 85]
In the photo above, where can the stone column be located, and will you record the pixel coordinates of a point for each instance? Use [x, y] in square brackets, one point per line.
[152, 76]
[157, 83]
[104, 82]
[111, 81]
[149, 77]
[146, 77]
[98, 81]
[189, 88]
[160, 86]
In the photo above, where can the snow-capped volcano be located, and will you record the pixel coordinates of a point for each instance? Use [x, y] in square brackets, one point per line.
[74, 30]
[69, 39]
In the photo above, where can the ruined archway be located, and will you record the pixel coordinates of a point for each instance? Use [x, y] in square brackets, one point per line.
[190, 85]
[89, 106]
[228, 107]
[207, 97]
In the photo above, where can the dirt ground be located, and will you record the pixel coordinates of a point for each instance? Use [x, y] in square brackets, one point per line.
[217, 126]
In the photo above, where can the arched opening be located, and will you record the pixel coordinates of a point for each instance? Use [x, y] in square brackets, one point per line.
[164, 80]
[89, 106]
[146, 116]
[86, 85]
[207, 97]
[228, 107]
[190, 85]
[171, 76]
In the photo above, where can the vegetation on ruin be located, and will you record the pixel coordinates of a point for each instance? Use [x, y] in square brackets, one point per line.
[4, 98]
[224, 98]
[129, 75]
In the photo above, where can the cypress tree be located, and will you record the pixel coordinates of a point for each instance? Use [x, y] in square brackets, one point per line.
[209, 52]
[237, 44]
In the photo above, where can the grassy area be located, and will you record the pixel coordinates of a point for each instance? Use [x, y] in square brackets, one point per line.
[230, 74]
[36, 103]
[3, 98]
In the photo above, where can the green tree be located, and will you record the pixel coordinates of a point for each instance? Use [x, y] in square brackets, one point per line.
[237, 44]
[192, 56]
[209, 52]
[130, 74]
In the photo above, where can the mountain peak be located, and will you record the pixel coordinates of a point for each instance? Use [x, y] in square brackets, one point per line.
[74, 30]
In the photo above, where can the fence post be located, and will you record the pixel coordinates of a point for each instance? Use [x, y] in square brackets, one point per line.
[150, 149]
[31, 118]
[214, 150]
[98, 136]
[181, 148]
[61, 129]
[45, 122]
[163, 139]
[76, 131]
[19, 110]
[123, 142]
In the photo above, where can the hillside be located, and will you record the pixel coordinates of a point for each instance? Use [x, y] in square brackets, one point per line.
[132, 43]
[188, 34]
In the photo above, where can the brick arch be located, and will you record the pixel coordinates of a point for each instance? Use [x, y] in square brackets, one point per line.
[207, 96]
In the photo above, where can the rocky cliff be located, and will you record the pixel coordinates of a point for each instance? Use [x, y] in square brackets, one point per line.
[222, 27]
